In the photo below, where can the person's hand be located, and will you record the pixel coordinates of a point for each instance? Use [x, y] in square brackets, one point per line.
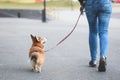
[81, 9]
[82, 5]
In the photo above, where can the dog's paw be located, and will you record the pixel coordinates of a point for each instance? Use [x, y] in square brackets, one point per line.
[39, 70]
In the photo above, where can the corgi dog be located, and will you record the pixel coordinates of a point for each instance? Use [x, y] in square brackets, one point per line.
[36, 53]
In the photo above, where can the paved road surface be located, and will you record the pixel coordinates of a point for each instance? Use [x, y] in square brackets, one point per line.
[69, 61]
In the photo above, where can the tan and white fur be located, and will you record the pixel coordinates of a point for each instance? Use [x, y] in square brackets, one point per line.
[36, 53]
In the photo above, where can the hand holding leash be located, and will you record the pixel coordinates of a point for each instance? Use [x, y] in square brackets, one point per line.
[81, 10]
[82, 4]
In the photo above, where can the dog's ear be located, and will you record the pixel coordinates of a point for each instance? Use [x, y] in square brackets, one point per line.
[37, 39]
[33, 38]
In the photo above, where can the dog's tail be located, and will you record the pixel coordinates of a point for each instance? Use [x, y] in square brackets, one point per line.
[34, 57]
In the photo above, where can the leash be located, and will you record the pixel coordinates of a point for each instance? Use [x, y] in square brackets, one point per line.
[66, 35]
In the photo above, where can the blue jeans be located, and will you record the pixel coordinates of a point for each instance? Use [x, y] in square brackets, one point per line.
[98, 14]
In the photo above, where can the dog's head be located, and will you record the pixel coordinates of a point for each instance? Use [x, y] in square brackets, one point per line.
[38, 41]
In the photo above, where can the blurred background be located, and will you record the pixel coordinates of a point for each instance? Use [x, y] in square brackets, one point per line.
[38, 9]
[36, 3]
[34, 9]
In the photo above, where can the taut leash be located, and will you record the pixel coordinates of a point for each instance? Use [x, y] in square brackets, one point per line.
[66, 35]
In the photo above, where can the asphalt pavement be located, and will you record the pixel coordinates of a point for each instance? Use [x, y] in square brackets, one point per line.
[68, 61]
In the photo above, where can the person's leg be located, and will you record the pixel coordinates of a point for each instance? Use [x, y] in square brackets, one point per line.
[93, 32]
[93, 41]
[104, 17]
